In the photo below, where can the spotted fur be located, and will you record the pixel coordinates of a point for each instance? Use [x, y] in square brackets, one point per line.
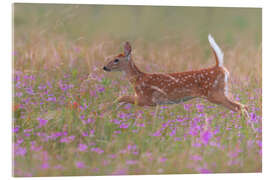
[172, 88]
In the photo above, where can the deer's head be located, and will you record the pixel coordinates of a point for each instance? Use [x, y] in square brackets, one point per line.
[121, 61]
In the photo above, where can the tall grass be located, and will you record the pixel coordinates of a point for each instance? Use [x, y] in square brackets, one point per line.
[60, 91]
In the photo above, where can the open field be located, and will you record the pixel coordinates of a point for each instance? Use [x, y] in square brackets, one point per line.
[60, 90]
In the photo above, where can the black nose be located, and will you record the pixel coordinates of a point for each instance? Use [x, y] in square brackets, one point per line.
[105, 68]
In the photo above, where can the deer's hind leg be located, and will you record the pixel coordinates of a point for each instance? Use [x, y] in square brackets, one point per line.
[219, 94]
[222, 99]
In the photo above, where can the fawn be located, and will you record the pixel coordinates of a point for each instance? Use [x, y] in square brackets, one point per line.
[172, 88]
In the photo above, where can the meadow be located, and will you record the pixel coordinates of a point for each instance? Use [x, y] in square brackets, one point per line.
[60, 90]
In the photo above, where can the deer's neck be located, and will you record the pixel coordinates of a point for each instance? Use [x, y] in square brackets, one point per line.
[133, 72]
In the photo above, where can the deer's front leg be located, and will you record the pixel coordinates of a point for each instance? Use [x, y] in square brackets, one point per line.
[127, 99]
[137, 100]
[121, 101]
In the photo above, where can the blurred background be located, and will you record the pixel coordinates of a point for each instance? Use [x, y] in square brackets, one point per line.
[99, 31]
[132, 22]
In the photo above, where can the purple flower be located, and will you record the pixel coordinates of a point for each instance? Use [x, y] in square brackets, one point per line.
[51, 99]
[140, 125]
[204, 170]
[131, 147]
[85, 134]
[19, 94]
[89, 120]
[27, 130]
[42, 122]
[113, 156]
[49, 84]
[82, 117]
[31, 77]
[14, 53]
[30, 91]
[157, 133]
[193, 132]
[196, 145]
[173, 132]
[128, 106]
[16, 129]
[105, 162]
[27, 134]
[259, 142]
[115, 121]
[253, 117]
[120, 171]
[97, 150]
[196, 158]
[179, 119]
[92, 132]
[67, 139]
[199, 107]
[165, 124]
[117, 132]
[101, 89]
[162, 159]
[131, 162]
[135, 130]
[20, 151]
[45, 165]
[18, 84]
[34, 147]
[206, 136]
[41, 87]
[80, 164]
[93, 93]
[19, 141]
[187, 106]
[58, 166]
[82, 147]
[124, 125]
[58, 134]
[122, 115]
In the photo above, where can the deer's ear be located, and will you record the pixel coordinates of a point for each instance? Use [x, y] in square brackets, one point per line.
[127, 49]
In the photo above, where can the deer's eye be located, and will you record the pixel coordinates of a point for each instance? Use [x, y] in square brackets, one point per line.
[116, 60]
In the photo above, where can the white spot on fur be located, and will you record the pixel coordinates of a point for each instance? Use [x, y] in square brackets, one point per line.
[171, 77]
[215, 83]
[143, 84]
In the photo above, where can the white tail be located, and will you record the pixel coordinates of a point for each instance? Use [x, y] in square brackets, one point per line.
[218, 52]
[172, 88]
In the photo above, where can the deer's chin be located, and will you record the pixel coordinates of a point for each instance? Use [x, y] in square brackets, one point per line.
[106, 69]
[115, 70]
